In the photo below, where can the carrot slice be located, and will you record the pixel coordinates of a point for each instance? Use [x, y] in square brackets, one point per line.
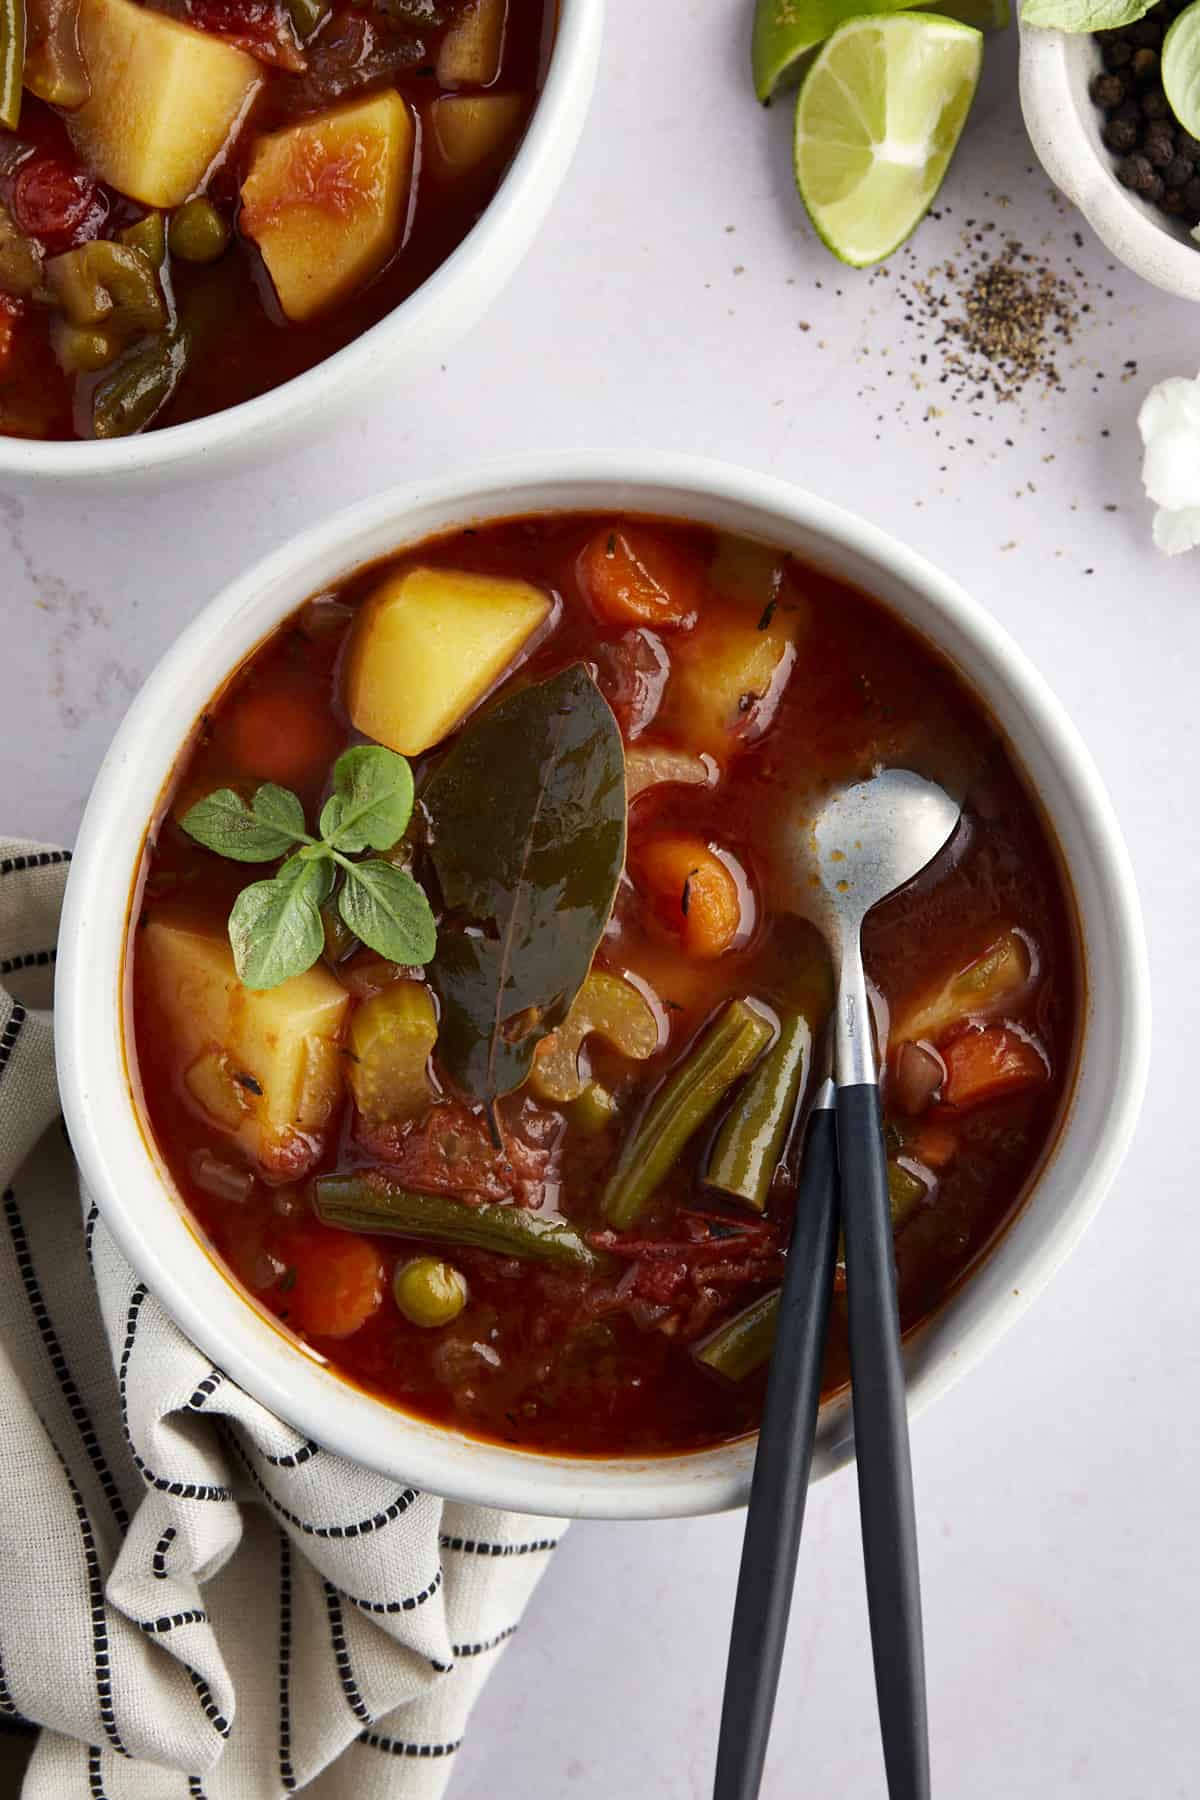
[692, 892]
[281, 736]
[639, 578]
[334, 1282]
[990, 1062]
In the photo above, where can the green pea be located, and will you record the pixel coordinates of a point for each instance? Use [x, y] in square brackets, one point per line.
[197, 232]
[429, 1292]
[82, 348]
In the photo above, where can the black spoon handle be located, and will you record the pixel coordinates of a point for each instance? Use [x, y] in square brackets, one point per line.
[885, 1491]
[780, 1486]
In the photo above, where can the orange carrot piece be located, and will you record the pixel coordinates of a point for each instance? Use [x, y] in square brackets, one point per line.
[990, 1062]
[334, 1282]
[637, 577]
[279, 736]
[692, 893]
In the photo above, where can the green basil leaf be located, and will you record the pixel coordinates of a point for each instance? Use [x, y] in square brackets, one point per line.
[278, 806]
[384, 907]
[275, 927]
[527, 814]
[224, 823]
[1083, 15]
[371, 802]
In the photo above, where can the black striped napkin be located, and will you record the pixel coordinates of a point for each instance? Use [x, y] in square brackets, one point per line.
[196, 1604]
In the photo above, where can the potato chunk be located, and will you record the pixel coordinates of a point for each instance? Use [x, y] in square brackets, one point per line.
[428, 645]
[262, 1067]
[325, 199]
[467, 130]
[472, 49]
[165, 99]
[728, 677]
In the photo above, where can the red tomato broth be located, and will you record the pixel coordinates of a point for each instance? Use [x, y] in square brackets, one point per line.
[242, 345]
[540, 1358]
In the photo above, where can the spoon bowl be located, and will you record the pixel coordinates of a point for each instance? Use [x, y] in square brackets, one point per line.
[873, 838]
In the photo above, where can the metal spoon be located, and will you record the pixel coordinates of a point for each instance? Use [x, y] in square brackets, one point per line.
[867, 841]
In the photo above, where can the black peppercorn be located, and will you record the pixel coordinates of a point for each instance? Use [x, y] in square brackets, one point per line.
[1155, 105]
[1107, 91]
[1129, 112]
[1117, 55]
[1173, 203]
[1146, 34]
[1179, 171]
[1191, 195]
[1145, 66]
[1154, 190]
[1120, 136]
[1187, 145]
[1159, 146]
[1135, 172]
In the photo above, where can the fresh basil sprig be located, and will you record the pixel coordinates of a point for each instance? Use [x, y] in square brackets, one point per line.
[275, 928]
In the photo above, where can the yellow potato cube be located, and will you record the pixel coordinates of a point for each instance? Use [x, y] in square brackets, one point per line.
[473, 48]
[428, 645]
[728, 677]
[278, 1049]
[466, 130]
[325, 200]
[165, 100]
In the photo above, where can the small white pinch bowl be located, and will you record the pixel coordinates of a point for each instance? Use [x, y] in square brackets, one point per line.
[121, 1168]
[1064, 127]
[376, 364]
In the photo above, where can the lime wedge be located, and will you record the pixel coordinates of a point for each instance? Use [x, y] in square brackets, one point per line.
[1181, 68]
[877, 120]
[786, 32]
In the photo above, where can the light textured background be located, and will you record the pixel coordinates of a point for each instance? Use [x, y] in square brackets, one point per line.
[1056, 1485]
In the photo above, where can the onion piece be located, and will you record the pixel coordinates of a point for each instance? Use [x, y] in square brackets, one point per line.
[647, 765]
[918, 1075]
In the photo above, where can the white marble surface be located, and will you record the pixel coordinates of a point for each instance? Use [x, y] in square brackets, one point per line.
[1057, 1485]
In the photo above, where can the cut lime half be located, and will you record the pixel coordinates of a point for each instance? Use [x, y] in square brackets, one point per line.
[786, 32]
[1181, 68]
[877, 120]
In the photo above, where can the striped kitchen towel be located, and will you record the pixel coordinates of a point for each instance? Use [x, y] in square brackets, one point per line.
[194, 1601]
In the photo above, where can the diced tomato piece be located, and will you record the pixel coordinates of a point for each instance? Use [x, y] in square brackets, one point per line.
[58, 205]
[935, 1145]
[638, 577]
[694, 893]
[259, 27]
[991, 1062]
[281, 736]
[333, 1283]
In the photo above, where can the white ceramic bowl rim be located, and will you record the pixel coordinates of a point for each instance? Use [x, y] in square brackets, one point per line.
[552, 132]
[130, 1188]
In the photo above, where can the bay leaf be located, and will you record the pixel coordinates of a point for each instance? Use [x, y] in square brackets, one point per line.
[526, 816]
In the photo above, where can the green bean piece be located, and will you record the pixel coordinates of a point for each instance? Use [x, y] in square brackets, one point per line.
[82, 349]
[138, 387]
[12, 61]
[745, 1342]
[306, 15]
[905, 1191]
[369, 1203]
[108, 284]
[20, 260]
[430, 1293]
[729, 1047]
[753, 1138]
[149, 235]
[197, 232]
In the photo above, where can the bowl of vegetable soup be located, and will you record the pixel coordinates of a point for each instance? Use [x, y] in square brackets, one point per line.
[434, 1009]
[221, 220]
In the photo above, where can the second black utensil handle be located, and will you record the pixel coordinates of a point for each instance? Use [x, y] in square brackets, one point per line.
[781, 1469]
[889, 1528]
